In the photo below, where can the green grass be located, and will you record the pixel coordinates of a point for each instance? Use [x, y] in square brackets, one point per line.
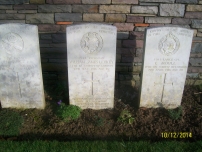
[10, 122]
[68, 112]
[99, 146]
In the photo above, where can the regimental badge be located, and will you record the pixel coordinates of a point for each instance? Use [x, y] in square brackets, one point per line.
[169, 44]
[91, 42]
[12, 43]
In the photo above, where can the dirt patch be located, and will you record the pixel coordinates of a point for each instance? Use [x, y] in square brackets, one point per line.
[149, 123]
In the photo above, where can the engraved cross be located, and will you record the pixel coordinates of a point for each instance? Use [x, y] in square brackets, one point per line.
[162, 93]
[92, 83]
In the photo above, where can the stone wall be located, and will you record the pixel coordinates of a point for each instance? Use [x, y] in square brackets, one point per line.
[130, 17]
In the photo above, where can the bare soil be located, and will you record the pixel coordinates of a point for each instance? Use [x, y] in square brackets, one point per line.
[149, 123]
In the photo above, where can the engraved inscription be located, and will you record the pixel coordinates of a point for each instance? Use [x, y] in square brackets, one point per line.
[169, 44]
[91, 42]
[12, 42]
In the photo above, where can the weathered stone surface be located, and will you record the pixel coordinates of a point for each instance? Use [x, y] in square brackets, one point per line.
[13, 2]
[27, 11]
[194, 8]
[54, 8]
[149, 4]
[21, 84]
[68, 17]
[181, 21]
[124, 1]
[159, 1]
[196, 48]
[144, 9]
[165, 66]
[157, 20]
[63, 1]
[93, 17]
[37, 1]
[135, 19]
[115, 18]
[200, 2]
[50, 28]
[11, 21]
[122, 35]
[91, 67]
[195, 61]
[139, 43]
[114, 9]
[172, 10]
[122, 27]
[195, 15]
[187, 1]
[40, 18]
[196, 23]
[6, 7]
[136, 35]
[85, 8]
[25, 7]
[12, 16]
[129, 43]
[96, 2]
[11, 11]
[140, 29]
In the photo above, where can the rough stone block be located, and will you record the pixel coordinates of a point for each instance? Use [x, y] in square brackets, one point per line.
[144, 9]
[11, 11]
[25, 7]
[63, 1]
[12, 16]
[172, 10]
[194, 8]
[129, 43]
[124, 1]
[158, 1]
[196, 48]
[93, 17]
[181, 21]
[54, 8]
[40, 18]
[13, 2]
[115, 18]
[139, 43]
[124, 26]
[11, 21]
[157, 20]
[114, 9]
[140, 29]
[141, 25]
[135, 19]
[195, 15]
[85, 8]
[136, 35]
[37, 1]
[196, 24]
[122, 35]
[96, 2]
[6, 7]
[68, 17]
[187, 1]
[27, 11]
[49, 28]
[195, 61]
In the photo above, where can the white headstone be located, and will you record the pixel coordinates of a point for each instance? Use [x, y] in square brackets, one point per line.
[166, 57]
[91, 53]
[21, 84]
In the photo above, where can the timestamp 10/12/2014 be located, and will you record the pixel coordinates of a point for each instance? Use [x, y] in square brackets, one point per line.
[176, 135]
